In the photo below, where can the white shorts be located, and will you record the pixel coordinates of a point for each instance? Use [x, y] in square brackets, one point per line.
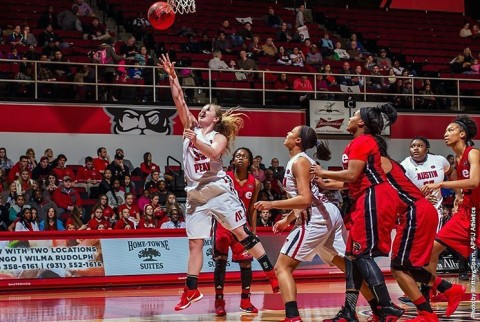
[217, 198]
[325, 238]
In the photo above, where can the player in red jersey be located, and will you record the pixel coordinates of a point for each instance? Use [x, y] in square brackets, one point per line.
[247, 188]
[373, 214]
[412, 245]
[456, 233]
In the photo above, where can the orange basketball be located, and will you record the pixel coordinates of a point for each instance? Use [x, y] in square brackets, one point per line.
[161, 15]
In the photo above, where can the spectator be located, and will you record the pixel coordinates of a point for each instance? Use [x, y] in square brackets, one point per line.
[257, 172]
[383, 62]
[5, 162]
[271, 19]
[300, 17]
[148, 220]
[303, 85]
[74, 222]
[16, 37]
[255, 49]
[216, 62]
[283, 58]
[48, 35]
[269, 48]
[16, 208]
[101, 162]
[159, 210]
[61, 171]
[398, 70]
[109, 73]
[297, 57]
[260, 164]
[314, 59]
[277, 170]
[205, 44]
[267, 189]
[140, 24]
[222, 44]
[26, 87]
[173, 203]
[459, 66]
[369, 63]
[51, 184]
[125, 221]
[276, 185]
[98, 222]
[27, 37]
[67, 198]
[129, 49]
[358, 79]
[465, 31]
[21, 165]
[174, 220]
[144, 199]
[26, 221]
[284, 35]
[9, 196]
[305, 46]
[265, 219]
[355, 52]
[427, 102]
[68, 19]
[96, 31]
[23, 182]
[119, 170]
[467, 53]
[246, 33]
[51, 222]
[153, 184]
[108, 212]
[31, 54]
[84, 74]
[60, 69]
[475, 32]
[346, 78]
[89, 178]
[147, 166]
[340, 53]
[377, 82]
[131, 207]
[49, 154]
[14, 54]
[116, 196]
[47, 18]
[40, 203]
[83, 9]
[326, 45]
[49, 51]
[246, 63]
[283, 86]
[231, 33]
[129, 186]
[4, 220]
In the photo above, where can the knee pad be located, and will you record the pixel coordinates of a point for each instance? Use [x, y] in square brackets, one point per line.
[352, 276]
[251, 240]
[369, 270]
[421, 275]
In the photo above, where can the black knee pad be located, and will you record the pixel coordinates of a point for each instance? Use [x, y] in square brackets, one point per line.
[251, 240]
[421, 275]
[369, 270]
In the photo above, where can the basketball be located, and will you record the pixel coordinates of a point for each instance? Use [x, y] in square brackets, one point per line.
[161, 15]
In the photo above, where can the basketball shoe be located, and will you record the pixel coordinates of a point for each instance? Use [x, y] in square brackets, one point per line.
[188, 297]
[247, 306]
[343, 315]
[220, 308]
[454, 296]
[390, 313]
[424, 316]
[294, 319]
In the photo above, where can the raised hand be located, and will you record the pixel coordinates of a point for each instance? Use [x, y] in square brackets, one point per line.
[167, 65]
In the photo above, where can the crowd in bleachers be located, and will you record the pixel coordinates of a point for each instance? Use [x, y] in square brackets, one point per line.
[105, 193]
[268, 40]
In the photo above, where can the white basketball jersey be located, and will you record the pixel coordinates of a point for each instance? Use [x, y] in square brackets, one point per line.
[316, 211]
[430, 171]
[198, 168]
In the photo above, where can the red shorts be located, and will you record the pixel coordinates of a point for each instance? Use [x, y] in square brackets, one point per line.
[373, 216]
[416, 231]
[223, 239]
[456, 233]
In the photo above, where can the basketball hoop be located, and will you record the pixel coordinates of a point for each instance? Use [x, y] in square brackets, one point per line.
[182, 6]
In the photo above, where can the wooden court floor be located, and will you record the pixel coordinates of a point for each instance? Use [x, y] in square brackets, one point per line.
[317, 300]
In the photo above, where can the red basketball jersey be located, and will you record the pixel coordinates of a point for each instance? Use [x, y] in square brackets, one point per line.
[471, 197]
[245, 191]
[364, 148]
[407, 190]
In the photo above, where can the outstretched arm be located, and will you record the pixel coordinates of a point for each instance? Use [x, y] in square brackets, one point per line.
[177, 93]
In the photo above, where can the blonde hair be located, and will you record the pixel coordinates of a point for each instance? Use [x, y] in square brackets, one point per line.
[229, 124]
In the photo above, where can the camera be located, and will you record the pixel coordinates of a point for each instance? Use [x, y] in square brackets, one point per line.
[350, 103]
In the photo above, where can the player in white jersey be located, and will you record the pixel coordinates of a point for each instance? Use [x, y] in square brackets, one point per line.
[319, 228]
[210, 191]
[423, 168]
